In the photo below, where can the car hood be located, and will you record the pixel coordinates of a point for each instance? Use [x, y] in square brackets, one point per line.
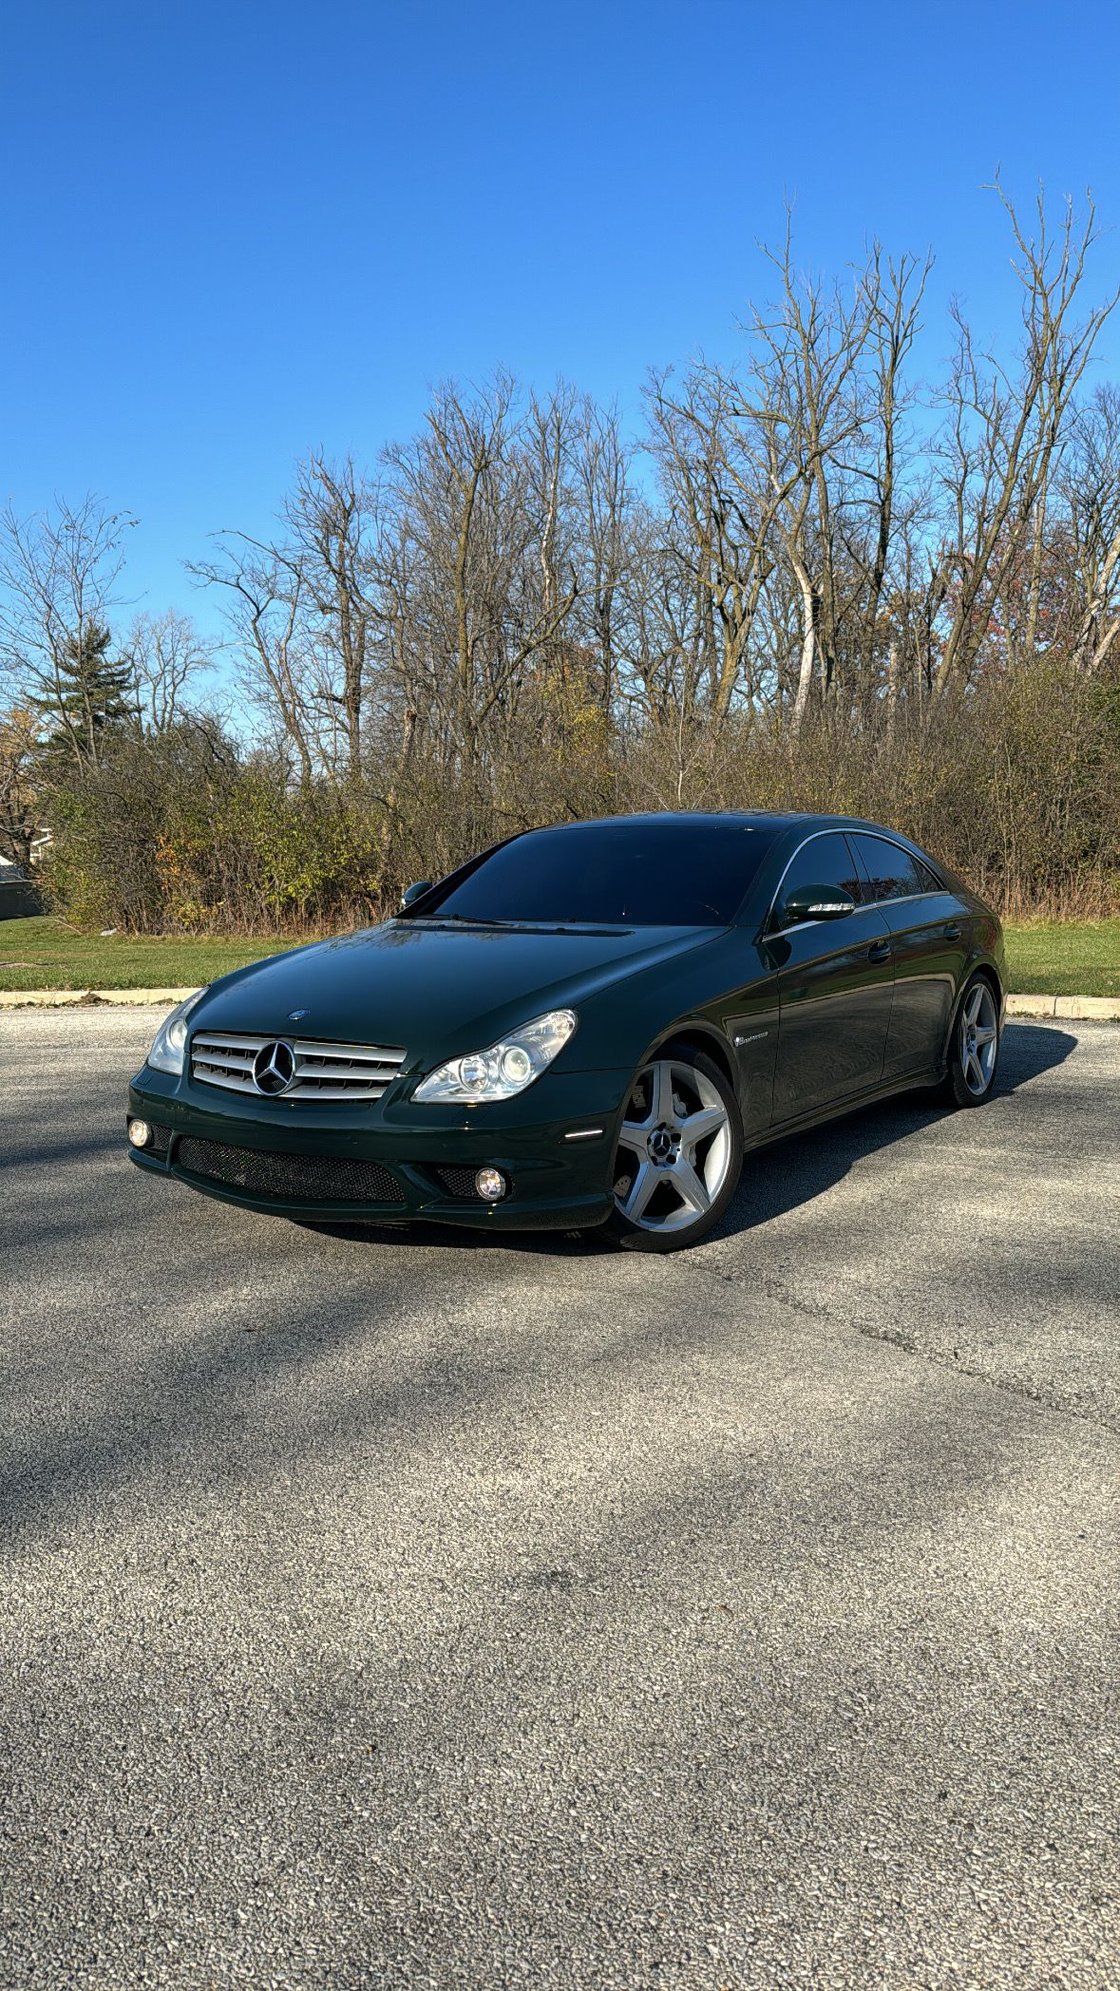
[434, 989]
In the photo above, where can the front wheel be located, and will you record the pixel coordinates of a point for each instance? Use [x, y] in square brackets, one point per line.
[679, 1154]
[974, 1047]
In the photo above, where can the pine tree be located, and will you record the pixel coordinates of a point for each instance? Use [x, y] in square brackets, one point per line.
[91, 697]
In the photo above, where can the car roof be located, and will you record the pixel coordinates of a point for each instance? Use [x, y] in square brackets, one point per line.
[774, 819]
[752, 818]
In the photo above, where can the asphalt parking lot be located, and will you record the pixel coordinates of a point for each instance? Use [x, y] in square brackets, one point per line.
[412, 1611]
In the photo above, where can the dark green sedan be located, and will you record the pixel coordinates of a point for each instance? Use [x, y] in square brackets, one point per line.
[583, 1026]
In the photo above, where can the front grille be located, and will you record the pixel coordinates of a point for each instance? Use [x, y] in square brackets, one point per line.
[457, 1180]
[289, 1178]
[322, 1071]
[160, 1141]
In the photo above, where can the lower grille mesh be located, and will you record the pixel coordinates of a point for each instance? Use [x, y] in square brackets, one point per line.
[289, 1178]
[457, 1180]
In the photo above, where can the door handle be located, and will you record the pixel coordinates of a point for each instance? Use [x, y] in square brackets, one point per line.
[881, 951]
[953, 932]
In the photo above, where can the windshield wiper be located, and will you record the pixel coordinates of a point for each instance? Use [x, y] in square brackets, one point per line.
[460, 919]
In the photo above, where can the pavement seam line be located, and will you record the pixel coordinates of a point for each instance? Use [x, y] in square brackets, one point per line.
[774, 1290]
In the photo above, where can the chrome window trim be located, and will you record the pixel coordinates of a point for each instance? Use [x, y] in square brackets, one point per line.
[904, 897]
[872, 905]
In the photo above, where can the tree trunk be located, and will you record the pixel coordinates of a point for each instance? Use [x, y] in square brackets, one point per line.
[808, 644]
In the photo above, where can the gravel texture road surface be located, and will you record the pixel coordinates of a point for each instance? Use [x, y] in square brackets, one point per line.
[404, 1610]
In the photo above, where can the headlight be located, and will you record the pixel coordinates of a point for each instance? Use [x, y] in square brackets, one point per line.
[170, 1043]
[506, 1068]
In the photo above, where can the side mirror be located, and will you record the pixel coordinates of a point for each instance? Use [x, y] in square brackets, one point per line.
[415, 892]
[816, 902]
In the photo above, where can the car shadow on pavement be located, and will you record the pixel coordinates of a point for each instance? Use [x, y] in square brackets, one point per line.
[57, 1147]
[797, 1167]
[800, 1167]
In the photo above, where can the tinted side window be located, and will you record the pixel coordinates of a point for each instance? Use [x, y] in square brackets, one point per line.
[824, 860]
[891, 872]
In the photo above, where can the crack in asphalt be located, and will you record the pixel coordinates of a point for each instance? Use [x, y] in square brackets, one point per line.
[897, 1338]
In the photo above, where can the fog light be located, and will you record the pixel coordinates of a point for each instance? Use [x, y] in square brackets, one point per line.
[139, 1133]
[491, 1184]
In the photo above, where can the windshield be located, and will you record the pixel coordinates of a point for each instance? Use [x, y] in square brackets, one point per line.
[669, 873]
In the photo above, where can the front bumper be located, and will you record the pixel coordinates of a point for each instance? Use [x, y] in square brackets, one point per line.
[393, 1161]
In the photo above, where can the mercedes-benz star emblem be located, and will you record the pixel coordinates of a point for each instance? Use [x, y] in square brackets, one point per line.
[274, 1068]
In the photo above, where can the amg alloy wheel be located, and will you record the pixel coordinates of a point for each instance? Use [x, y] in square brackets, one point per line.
[680, 1150]
[974, 1049]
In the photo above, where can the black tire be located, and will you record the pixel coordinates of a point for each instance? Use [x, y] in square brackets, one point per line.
[970, 1072]
[709, 1163]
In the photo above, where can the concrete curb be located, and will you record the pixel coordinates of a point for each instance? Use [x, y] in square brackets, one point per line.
[90, 998]
[1075, 1009]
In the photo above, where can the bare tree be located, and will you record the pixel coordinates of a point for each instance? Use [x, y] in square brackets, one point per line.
[263, 599]
[786, 471]
[328, 516]
[1005, 434]
[477, 498]
[721, 509]
[168, 656]
[605, 535]
[59, 575]
[829, 397]
[1090, 491]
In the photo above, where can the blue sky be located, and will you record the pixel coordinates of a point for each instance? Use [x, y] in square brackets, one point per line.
[232, 233]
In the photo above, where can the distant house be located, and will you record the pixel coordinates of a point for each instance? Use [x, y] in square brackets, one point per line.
[19, 895]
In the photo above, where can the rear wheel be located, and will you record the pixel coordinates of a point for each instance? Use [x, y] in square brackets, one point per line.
[679, 1154]
[974, 1047]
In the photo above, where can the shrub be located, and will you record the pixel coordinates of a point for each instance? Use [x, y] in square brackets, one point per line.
[1015, 784]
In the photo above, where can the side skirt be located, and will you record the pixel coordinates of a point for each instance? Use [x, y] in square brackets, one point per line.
[922, 1082]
